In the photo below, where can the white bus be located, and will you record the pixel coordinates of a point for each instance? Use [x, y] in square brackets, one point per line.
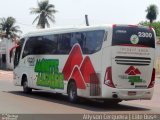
[110, 62]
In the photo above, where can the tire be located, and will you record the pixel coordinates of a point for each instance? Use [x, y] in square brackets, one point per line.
[72, 92]
[26, 89]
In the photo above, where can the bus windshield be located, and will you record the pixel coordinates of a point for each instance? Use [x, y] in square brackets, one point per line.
[133, 36]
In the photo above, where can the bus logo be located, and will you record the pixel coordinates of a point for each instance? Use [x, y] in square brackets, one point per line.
[134, 75]
[31, 61]
[134, 39]
[48, 73]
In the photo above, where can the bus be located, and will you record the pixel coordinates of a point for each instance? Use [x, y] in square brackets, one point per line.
[108, 62]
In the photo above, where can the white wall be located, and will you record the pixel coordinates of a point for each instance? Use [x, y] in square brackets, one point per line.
[157, 62]
[8, 44]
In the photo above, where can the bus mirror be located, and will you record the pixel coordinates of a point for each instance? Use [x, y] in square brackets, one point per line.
[11, 52]
[10, 55]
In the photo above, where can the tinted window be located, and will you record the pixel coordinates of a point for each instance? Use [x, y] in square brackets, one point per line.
[41, 45]
[77, 37]
[50, 44]
[64, 43]
[141, 36]
[90, 41]
[93, 41]
[31, 46]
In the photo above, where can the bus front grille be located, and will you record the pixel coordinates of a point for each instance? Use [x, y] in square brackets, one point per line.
[128, 60]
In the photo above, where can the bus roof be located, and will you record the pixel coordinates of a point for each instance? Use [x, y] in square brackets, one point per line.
[65, 30]
[39, 32]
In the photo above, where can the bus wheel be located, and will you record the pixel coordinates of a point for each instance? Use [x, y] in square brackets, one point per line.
[26, 89]
[72, 92]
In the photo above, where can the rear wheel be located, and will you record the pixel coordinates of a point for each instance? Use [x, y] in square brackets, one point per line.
[26, 89]
[72, 92]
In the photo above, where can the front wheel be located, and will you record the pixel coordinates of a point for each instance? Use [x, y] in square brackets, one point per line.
[72, 92]
[26, 89]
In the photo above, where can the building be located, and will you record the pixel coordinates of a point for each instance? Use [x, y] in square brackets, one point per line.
[5, 46]
[157, 62]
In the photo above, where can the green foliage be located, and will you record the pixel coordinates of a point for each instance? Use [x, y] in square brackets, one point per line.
[8, 27]
[155, 25]
[152, 12]
[45, 12]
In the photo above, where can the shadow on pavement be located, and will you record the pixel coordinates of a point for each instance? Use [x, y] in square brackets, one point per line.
[83, 104]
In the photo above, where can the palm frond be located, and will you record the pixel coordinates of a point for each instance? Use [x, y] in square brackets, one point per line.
[11, 20]
[42, 4]
[51, 12]
[34, 10]
[49, 6]
[51, 18]
[8, 27]
[15, 29]
[35, 19]
[50, 9]
[2, 20]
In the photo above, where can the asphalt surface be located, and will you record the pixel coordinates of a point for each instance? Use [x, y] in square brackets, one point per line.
[13, 100]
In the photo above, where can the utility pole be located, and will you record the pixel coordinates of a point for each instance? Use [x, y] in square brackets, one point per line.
[86, 19]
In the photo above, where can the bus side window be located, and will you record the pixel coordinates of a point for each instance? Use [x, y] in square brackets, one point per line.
[100, 37]
[50, 44]
[74, 39]
[32, 46]
[39, 45]
[64, 46]
[93, 41]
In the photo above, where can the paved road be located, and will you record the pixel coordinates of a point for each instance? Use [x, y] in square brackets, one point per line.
[13, 100]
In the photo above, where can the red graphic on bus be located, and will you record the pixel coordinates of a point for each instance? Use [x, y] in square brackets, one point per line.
[80, 69]
[132, 71]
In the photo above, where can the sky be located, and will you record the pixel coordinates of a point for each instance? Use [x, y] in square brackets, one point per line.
[71, 12]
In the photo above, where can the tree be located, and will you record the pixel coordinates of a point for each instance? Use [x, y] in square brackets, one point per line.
[152, 12]
[8, 28]
[45, 12]
[155, 25]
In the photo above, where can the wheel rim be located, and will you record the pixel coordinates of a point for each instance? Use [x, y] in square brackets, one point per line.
[72, 92]
[25, 85]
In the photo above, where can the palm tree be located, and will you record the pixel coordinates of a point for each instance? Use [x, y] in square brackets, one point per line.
[8, 28]
[152, 12]
[45, 12]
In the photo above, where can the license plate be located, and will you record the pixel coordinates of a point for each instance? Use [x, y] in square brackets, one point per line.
[130, 93]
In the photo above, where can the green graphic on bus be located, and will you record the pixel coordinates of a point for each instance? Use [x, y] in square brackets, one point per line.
[136, 79]
[48, 74]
